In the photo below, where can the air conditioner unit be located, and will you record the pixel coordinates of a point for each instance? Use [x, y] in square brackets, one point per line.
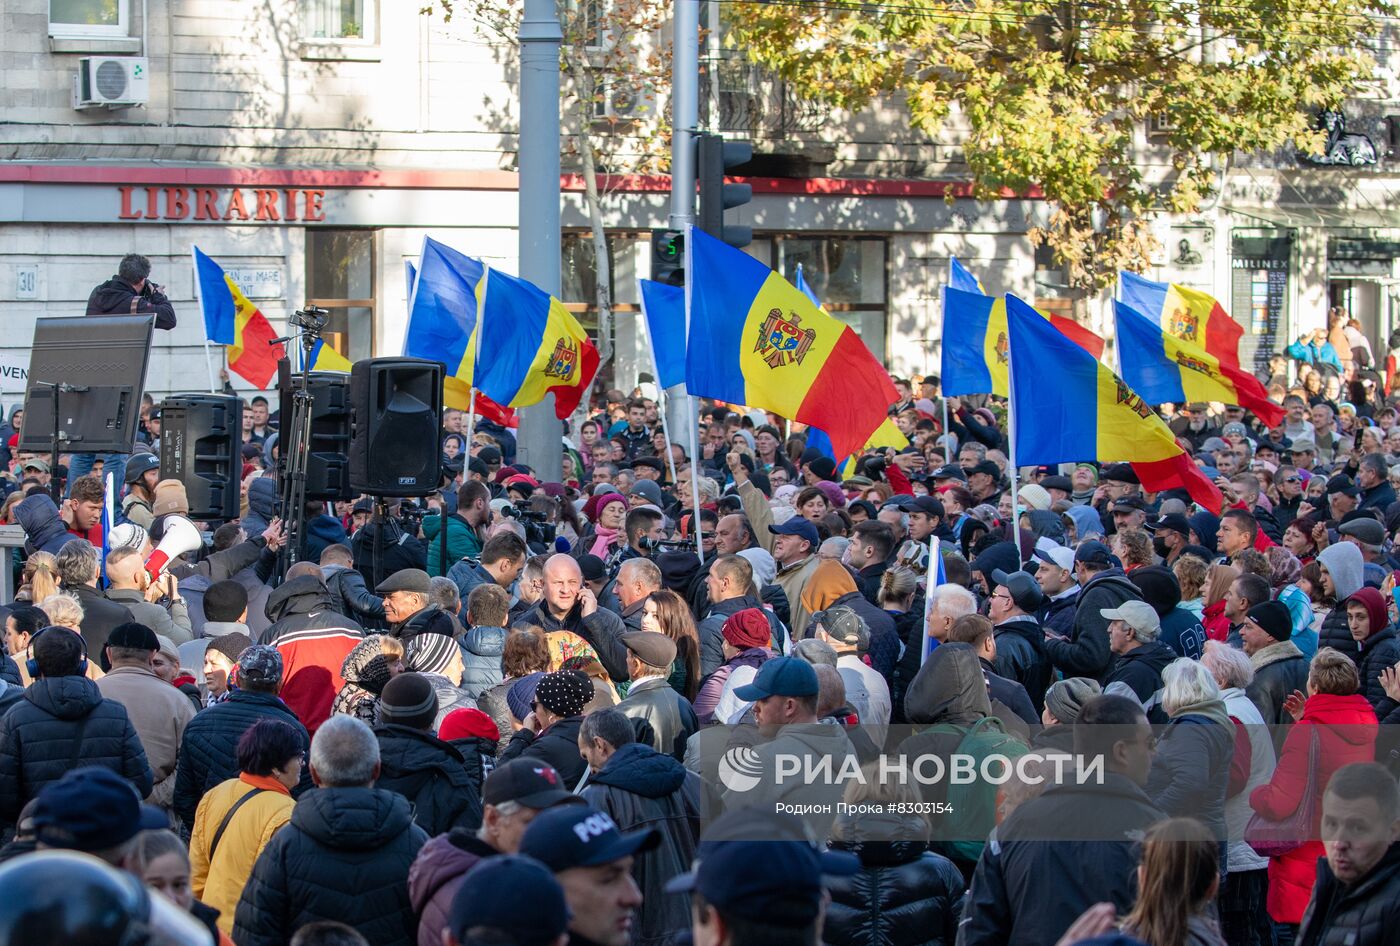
[621, 102]
[111, 82]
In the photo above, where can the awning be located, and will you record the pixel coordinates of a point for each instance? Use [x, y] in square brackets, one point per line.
[1331, 218]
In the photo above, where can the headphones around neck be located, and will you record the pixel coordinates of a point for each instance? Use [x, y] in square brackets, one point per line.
[32, 665]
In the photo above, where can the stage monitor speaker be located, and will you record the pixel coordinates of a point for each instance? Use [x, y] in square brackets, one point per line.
[200, 445]
[328, 454]
[100, 364]
[395, 426]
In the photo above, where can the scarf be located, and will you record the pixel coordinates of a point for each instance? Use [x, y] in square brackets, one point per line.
[604, 537]
[1213, 710]
[266, 782]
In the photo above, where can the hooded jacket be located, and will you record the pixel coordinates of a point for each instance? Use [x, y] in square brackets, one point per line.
[903, 894]
[320, 533]
[432, 775]
[117, 297]
[1000, 557]
[262, 506]
[712, 627]
[437, 872]
[1380, 650]
[950, 690]
[1058, 614]
[44, 529]
[1140, 670]
[1345, 727]
[831, 585]
[641, 788]
[1182, 630]
[63, 723]
[314, 639]
[1362, 914]
[209, 750]
[1344, 563]
[815, 744]
[482, 649]
[1086, 653]
[344, 856]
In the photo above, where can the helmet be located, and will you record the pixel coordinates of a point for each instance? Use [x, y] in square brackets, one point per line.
[77, 900]
[139, 465]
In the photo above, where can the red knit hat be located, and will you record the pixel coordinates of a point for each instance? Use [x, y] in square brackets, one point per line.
[747, 628]
[467, 724]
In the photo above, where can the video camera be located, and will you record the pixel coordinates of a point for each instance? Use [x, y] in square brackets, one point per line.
[539, 531]
[311, 320]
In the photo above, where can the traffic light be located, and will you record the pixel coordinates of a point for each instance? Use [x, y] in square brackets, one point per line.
[714, 156]
[668, 257]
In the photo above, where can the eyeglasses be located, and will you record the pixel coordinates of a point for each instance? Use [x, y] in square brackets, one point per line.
[1003, 597]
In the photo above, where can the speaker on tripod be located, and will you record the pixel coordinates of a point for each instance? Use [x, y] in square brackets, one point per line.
[327, 457]
[395, 426]
[199, 446]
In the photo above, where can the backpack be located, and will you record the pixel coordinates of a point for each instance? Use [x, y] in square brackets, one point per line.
[973, 805]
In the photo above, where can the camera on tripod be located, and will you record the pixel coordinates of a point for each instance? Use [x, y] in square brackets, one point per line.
[310, 320]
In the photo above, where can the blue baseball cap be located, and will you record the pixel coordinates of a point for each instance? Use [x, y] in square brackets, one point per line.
[798, 525]
[776, 882]
[781, 676]
[581, 836]
[513, 894]
[93, 809]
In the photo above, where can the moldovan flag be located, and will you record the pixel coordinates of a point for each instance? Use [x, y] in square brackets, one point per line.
[755, 339]
[325, 358]
[531, 345]
[442, 316]
[231, 320]
[663, 317]
[1187, 314]
[1068, 408]
[1164, 368]
[975, 336]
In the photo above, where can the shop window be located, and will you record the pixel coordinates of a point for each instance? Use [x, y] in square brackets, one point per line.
[1260, 268]
[337, 20]
[578, 276]
[847, 274]
[89, 17]
[340, 266]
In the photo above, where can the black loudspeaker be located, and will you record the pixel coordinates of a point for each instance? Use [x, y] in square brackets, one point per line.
[395, 426]
[200, 437]
[328, 454]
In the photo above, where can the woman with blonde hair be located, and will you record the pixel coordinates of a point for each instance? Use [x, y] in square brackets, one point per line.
[38, 579]
[1177, 881]
[64, 610]
[1219, 578]
[1190, 573]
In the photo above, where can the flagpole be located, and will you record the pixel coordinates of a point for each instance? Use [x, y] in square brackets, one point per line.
[660, 387]
[209, 364]
[208, 358]
[692, 409]
[1011, 450]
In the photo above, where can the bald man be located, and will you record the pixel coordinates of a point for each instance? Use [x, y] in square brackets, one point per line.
[569, 605]
[126, 573]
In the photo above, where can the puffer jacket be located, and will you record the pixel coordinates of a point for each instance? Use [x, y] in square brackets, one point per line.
[1021, 657]
[63, 723]
[44, 530]
[209, 750]
[1362, 914]
[219, 884]
[903, 895]
[482, 649]
[314, 639]
[642, 788]
[437, 872]
[712, 641]
[1086, 653]
[321, 533]
[431, 774]
[344, 856]
[1191, 770]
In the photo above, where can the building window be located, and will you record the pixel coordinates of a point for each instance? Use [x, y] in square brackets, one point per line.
[578, 277]
[847, 274]
[1260, 266]
[88, 17]
[337, 20]
[340, 267]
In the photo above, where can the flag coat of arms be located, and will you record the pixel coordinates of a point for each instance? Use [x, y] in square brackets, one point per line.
[1185, 313]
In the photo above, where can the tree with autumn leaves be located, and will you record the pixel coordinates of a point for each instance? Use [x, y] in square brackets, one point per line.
[1055, 95]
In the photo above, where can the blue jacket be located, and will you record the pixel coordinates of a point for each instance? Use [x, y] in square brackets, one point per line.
[44, 531]
[482, 649]
[1311, 353]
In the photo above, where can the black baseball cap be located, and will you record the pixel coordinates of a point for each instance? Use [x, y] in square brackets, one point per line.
[581, 836]
[950, 472]
[928, 505]
[514, 894]
[1130, 504]
[988, 468]
[526, 782]
[1172, 522]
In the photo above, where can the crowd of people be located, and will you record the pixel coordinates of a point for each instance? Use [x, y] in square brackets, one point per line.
[507, 712]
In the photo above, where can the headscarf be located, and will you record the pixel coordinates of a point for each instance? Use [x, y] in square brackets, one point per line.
[828, 581]
[765, 567]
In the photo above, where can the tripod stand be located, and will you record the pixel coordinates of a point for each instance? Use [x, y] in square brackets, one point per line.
[294, 441]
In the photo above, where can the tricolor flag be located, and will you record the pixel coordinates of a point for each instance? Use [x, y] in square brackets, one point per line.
[1163, 368]
[1069, 408]
[231, 320]
[936, 577]
[756, 339]
[325, 358]
[442, 316]
[1187, 314]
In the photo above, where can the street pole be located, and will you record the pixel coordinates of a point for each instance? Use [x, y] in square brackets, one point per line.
[685, 119]
[539, 439]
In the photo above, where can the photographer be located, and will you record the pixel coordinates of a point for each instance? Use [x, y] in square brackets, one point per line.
[645, 530]
[131, 292]
[399, 547]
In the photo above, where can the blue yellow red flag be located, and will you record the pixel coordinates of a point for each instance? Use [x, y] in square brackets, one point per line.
[1069, 408]
[975, 344]
[530, 346]
[663, 316]
[443, 312]
[231, 320]
[755, 339]
[1164, 368]
[325, 358]
[960, 277]
[1185, 313]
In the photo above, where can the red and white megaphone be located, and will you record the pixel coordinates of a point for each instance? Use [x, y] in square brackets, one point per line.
[180, 536]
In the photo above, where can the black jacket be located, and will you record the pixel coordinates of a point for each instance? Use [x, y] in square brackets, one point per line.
[433, 775]
[1058, 615]
[903, 895]
[1279, 669]
[344, 856]
[884, 639]
[1141, 670]
[397, 551]
[712, 641]
[642, 788]
[557, 745]
[117, 297]
[430, 620]
[63, 723]
[209, 748]
[602, 630]
[1377, 653]
[1021, 656]
[302, 604]
[869, 578]
[347, 593]
[1363, 914]
[1378, 497]
[1336, 633]
[1053, 858]
[1086, 653]
[101, 616]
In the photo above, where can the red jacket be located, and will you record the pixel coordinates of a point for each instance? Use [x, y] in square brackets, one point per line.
[1217, 625]
[311, 661]
[1346, 728]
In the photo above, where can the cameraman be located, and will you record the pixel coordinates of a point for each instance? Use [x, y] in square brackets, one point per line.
[398, 548]
[131, 292]
[645, 529]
